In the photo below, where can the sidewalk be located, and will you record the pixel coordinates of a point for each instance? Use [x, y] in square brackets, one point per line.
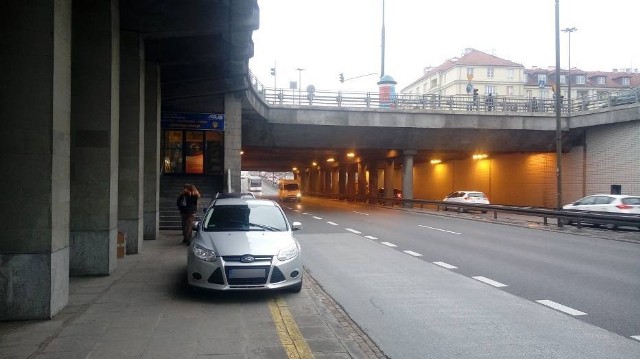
[146, 310]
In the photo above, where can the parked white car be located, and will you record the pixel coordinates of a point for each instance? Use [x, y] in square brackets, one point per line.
[466, 197]
[245, 244]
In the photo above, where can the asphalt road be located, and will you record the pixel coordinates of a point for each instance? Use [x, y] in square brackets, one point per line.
[417, 282]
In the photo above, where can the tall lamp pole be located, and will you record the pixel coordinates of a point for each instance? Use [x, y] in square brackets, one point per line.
[569, 30]
[558, 120]
[382, 44]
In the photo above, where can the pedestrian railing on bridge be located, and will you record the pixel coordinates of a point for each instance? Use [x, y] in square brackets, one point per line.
[434, 102]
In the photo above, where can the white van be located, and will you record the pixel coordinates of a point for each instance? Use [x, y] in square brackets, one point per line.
[289, 190]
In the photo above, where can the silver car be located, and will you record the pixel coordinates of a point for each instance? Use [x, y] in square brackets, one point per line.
[245, 244]
[614, 203]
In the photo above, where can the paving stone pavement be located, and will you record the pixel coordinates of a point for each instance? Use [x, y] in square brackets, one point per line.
[146, 310]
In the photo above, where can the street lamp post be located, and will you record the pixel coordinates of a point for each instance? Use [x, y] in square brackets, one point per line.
[569, 30]
[299, 82]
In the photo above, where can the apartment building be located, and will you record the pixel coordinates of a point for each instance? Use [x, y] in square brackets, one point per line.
[490, 74]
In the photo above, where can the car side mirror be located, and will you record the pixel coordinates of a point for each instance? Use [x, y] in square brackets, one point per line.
[296, 226]
[196, 226]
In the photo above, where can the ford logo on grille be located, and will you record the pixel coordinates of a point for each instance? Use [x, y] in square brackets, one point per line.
[247, 258]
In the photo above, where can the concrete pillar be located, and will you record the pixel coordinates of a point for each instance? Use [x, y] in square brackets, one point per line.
[407, 176]
[34, 107]
[342, 181]
[362, 179]
[131, 141]
[232, 140]
[388, 178]
[151, 207]
[94, 137]
[351, 179]
[373, 181]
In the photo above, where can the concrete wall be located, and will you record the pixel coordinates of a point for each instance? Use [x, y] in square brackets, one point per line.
[514, 179]
[613, 155]
[151, 205]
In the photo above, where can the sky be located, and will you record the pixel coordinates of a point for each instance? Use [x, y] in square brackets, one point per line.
[329, 37]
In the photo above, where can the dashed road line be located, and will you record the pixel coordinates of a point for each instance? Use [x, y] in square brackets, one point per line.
[366, 214]
[438, 229]
[445, 265]
[636, 337]
[316, 217]
[489, 281]
[371, 237]
[560, 307]
[388, 244]
[412, 253]
[353, 230]
[332, 223]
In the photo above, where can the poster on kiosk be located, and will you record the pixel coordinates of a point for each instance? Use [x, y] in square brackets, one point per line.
[387, 92]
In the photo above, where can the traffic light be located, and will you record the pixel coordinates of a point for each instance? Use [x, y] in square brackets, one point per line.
[342, 77]
[273, 71]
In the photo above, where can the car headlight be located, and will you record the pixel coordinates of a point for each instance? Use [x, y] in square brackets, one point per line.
[298, 194]
[288, 253]
[204, 254]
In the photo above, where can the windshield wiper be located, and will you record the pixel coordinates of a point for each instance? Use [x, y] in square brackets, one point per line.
[263, 226]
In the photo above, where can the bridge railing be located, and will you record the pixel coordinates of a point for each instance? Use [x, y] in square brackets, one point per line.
[352, 99]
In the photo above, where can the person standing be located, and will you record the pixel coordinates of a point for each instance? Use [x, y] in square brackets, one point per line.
[475, 99]
[188, 205]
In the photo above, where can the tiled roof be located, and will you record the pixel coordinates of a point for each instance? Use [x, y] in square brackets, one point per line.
[471, 58]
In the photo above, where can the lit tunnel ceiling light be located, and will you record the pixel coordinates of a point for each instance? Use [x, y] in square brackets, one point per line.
[314, 163]
[435, 162]
[294, 169]
[331, 159]
[480, 156]
[351, 155]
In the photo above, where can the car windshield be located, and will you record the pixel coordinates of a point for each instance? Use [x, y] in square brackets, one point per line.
[476, 194]
[291, 186]
[244, 218]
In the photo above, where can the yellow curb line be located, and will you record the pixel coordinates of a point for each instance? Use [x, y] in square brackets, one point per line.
[290, 336]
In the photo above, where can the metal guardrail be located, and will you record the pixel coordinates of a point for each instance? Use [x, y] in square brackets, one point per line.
[610, 220]
[299, 98]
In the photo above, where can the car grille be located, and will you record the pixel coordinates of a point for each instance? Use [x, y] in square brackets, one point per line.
[277, 276]
[216, 277]
[237, 258]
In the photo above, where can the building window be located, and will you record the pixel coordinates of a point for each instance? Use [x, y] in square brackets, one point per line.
[529, 93]
[542, 78]
[509, 90]
[434, 83]
[626, 81]
[581, 79]
[490, 72]
[563, 79]
[601, 80]
[424, 88]
[489, 89]
[510, 74]
[544, 93]
[469, 72]
[526, 78]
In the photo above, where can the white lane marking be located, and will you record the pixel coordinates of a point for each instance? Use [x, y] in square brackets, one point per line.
[438, 229]
[305, 213]
[445, 265]
[371, 237]
[489, 281]
[353, 230]
[388, 244]
[636, 337]
[333, 223]
[560, 307]
[412, 253]
[356, 212]
[316, 217]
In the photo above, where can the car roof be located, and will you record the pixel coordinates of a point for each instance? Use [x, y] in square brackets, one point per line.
[221, 195]
[244, 201]
[612, 195]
